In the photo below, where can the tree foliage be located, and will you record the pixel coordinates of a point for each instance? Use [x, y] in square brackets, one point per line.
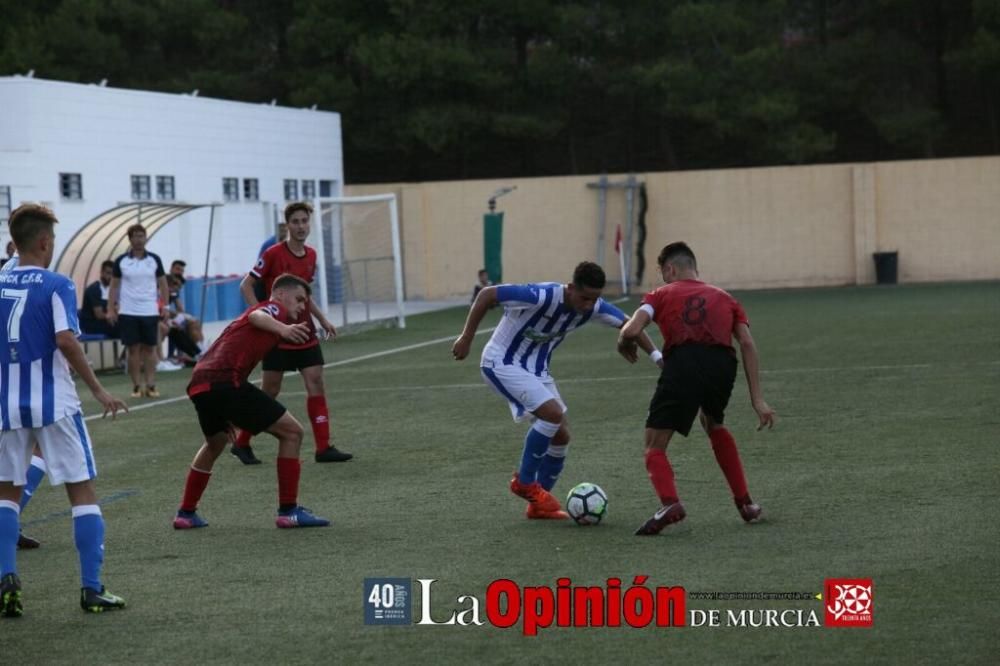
[432, 89]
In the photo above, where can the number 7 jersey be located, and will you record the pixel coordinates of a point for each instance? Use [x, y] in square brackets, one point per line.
[692, 311]
[36, 387]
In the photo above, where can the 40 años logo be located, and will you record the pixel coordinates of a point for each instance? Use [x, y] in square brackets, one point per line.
[565, 605]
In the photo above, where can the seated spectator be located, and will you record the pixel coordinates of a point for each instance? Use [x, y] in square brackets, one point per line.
[183, 329]
[484, 281]
[177, 268]
[94, 313]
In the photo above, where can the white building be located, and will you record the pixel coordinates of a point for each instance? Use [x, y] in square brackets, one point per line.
[82, 149]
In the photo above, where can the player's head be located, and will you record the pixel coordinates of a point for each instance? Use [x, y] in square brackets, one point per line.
[107, 271]
[292, 292]
[677, 262]
[484, 276]
[32, 228]
[588, 282]
[297, 216]
[177, 267]
[137, 237]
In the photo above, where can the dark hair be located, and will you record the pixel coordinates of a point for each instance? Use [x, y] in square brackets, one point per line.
[28, 222]
[589, 274]
[289, 280]
[178, 262]
[134, 229]
[107, 263]
[296, 206]
[674, 251]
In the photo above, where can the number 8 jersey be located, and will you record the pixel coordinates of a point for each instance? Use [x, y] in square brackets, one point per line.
[36, 388]
[692, 311]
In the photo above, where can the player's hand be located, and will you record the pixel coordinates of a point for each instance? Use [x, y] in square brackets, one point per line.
[331, 332]
[461, 347]
[297, 333]
[765, 414]
[110, 404]
[628, 349]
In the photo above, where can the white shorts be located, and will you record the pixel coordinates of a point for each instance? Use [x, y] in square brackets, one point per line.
[65, 447]
[524, 391]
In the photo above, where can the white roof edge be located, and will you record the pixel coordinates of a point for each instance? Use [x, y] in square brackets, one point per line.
[19, 79]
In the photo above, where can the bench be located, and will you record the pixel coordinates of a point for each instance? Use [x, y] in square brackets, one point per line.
[101, 351]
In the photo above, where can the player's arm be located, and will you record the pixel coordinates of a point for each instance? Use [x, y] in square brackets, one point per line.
[247, 286]
[751, 368]
[71, 349]
[633, 334]
[317, 312]
[114, 291]
[486, 299]
[297, 333]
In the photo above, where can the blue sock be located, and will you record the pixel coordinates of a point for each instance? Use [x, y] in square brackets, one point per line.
[36, 472]
[552, 466]
[535, 444]
[9, 529]
[88, 532]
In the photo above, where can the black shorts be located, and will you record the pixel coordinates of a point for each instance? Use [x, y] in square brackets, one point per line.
[244, 406]
[286, 360]
[136, 330]
[694, 377]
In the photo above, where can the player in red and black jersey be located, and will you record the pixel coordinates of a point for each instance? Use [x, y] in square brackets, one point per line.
[698, 322]
[295, 257]
[224, 399]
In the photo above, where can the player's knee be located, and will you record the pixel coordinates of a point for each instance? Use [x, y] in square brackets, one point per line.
[562, 436]
[657, 439]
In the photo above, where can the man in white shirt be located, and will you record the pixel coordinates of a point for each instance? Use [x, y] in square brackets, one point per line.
[135, 302]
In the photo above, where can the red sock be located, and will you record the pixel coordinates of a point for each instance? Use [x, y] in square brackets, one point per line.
[319, 417]
[193, 488]
[243, 439]
[662, 475]
[728, 458]
[288, 480]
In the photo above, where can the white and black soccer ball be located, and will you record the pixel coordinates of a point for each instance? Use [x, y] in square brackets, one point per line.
[587, 504]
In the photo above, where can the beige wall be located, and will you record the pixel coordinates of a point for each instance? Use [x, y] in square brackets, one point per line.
[751, 228]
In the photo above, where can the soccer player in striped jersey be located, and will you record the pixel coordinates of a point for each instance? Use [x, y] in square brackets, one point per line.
[36, 471]
[515, 364]
[38, 402]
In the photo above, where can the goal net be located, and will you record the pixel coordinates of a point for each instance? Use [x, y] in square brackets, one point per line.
[360, 260]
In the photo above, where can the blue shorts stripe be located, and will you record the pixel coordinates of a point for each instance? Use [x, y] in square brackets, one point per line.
[85, 443]
[492, 376]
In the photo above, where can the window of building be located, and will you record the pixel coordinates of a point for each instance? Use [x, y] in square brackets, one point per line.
[140, 188]
[231, 189]
[291, 189]
[326, 188]
[71, 186]
[251, 190]
[308, 189]
[165, 188]
[5, 205]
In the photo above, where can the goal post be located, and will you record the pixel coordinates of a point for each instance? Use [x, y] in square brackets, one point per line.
[360, 258]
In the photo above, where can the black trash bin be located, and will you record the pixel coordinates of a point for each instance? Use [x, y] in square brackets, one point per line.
[886, 267]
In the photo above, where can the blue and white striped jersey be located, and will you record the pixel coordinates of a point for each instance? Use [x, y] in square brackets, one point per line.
[36, 388]
[536, 321]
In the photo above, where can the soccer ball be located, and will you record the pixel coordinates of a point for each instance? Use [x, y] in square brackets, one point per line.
[587, 504]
